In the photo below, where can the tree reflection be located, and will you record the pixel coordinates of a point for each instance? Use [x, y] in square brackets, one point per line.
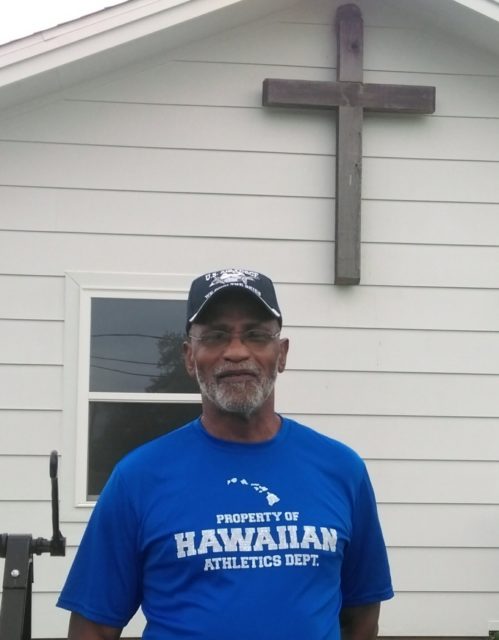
[173, 378]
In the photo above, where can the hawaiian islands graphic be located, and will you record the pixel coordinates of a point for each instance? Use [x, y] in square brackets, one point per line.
[256, 486]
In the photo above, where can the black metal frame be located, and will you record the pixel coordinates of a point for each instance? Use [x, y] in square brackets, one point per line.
[18, 550]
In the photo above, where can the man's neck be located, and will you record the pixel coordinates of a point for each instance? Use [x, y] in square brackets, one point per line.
[259, 426]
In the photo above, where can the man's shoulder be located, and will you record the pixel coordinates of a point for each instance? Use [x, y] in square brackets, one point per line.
[307, 436]
[161, 449]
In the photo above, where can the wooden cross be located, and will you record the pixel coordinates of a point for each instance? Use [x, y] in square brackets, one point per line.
[349, 95]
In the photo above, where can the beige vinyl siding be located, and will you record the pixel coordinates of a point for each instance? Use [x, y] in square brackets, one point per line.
[226, 128]
[31, 297]
[217, 84]
[265, 217]
[397, 265]
[414, 438]
[207, 171]
[172, 166]
[259, 174]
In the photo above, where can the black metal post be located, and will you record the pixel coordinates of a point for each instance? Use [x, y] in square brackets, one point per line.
[15, 613]
[18, 550]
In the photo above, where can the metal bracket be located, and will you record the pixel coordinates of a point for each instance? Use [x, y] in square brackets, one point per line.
[18, 550]
[15, 614]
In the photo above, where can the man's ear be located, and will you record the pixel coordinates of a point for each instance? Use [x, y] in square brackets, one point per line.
[283, 354]
[189, 359]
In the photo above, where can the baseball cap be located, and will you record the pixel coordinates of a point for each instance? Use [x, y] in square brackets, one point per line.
[208, 287]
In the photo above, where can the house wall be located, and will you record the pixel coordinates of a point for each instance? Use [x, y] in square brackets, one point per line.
[172, 166]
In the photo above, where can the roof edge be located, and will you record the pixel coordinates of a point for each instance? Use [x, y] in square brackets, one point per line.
[97, 33]
[487, 8]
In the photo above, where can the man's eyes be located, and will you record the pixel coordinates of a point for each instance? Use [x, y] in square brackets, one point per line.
[253, 336]
[257, 335]
[214, 336]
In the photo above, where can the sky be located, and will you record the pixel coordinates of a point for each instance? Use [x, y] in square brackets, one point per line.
[24, 17]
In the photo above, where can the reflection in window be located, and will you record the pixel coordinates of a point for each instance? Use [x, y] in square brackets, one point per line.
[136, 346]
[115, 428]
[135, 351]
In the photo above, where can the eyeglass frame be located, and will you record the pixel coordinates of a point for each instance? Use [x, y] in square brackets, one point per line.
[230, 335]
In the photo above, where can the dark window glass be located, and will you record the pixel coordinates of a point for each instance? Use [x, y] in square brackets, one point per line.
[136, 346]
[115, 428]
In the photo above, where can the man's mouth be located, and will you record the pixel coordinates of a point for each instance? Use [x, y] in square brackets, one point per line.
[236, 375]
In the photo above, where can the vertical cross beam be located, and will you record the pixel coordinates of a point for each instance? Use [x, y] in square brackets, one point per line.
[348, 149]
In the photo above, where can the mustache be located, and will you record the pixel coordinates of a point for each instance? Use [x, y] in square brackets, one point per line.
[246, 368]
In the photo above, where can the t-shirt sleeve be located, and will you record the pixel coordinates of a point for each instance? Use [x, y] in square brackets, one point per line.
[365, 576]
[103, 584]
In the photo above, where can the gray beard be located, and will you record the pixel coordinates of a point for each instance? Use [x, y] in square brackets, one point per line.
[242, 398]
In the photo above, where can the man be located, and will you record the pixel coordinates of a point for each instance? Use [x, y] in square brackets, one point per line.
[242, 524]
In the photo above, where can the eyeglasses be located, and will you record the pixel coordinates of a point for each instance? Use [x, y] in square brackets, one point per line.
[253, 338]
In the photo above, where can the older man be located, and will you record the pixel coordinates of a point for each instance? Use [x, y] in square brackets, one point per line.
[242, 524]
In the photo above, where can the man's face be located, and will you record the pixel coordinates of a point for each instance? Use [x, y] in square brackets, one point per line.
[239, 375]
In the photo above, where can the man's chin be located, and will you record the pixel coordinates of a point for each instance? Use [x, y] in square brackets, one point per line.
[237, 397]
[238, 406]
[243, 413]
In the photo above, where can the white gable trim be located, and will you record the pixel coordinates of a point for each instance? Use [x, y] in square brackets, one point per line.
[58, 58]
[103, 30]
[488, 8]
[130, 21]
[122, 25]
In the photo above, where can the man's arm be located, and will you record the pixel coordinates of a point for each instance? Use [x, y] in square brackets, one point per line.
[82, 629]
[360, 623]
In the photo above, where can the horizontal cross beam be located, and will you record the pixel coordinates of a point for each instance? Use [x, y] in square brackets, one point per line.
[314, 94]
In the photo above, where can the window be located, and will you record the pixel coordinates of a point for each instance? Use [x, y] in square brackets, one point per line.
[132, 385]
[135, 351]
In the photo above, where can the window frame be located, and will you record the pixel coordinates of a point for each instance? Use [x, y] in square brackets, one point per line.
[81, 288]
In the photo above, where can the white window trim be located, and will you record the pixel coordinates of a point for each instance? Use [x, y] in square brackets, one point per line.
[81, 287]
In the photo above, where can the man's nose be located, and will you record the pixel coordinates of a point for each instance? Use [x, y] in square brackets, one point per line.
[236, 349]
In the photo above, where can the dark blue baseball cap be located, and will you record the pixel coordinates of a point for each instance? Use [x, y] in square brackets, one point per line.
[209, 286]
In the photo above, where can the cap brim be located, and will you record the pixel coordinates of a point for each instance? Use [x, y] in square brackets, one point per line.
[237, 287]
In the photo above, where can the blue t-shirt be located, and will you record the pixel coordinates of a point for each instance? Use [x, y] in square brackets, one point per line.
[220, 540]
